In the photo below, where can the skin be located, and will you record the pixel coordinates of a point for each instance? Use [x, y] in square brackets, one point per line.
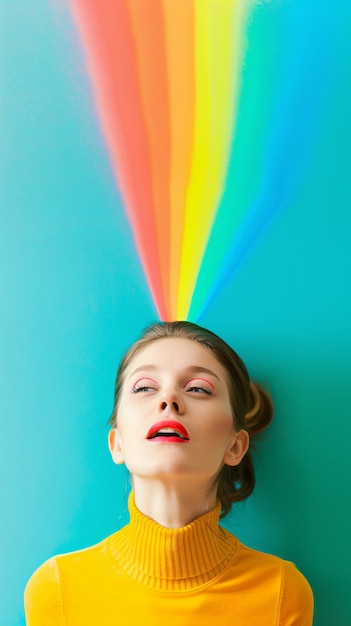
[180, 380]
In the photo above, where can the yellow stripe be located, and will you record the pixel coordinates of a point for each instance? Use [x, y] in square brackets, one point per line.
[219, 36]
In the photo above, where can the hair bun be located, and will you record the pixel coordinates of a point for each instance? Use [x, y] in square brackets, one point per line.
[260, 412]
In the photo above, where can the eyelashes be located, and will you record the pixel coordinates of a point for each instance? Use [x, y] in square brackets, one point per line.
[197, 389]
[199, 385]
[142, 388]
[144, 384]
[194, 385]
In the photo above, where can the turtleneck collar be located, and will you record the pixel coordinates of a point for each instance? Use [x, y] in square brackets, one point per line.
[172, 559]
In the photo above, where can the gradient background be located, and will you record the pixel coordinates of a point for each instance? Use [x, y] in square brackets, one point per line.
[73, 297]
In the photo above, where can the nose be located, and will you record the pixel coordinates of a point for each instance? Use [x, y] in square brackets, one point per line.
[171, 402]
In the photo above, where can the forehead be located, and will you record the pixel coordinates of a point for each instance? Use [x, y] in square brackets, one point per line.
[176, 353]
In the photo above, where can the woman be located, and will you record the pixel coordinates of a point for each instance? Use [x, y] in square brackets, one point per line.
[184, 414]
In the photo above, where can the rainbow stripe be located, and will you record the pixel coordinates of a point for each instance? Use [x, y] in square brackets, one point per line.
[167, 78]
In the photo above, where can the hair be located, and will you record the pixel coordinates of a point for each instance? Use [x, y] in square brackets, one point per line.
[252, 405]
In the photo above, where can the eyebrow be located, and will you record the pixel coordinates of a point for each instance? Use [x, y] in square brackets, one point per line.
[193, 369]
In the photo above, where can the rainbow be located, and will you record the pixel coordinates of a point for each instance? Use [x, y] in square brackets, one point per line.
[167, 78]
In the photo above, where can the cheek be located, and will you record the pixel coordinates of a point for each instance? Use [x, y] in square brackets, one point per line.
[128, 421]
[123, 409]
[222, 426]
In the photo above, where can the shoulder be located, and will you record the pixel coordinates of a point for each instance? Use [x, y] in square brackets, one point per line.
[277, 582]
[43, 596]
[296, 597]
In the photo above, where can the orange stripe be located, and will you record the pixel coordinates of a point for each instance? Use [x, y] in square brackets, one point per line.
[149, 40]
[179, 24]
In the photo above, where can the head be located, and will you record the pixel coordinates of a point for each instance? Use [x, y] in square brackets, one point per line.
[250, 406]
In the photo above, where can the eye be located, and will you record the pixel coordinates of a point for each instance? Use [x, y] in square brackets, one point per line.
[200, 390]
[199, 385]
[144, 385]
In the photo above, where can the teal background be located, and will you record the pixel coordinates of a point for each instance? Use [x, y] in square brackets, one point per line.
[73, 297]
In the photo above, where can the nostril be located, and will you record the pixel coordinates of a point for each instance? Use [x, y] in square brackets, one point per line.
[174, 404]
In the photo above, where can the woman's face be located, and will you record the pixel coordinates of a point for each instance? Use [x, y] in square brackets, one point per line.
[174, 416]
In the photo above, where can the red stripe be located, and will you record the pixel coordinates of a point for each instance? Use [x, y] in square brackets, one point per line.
[111, 55]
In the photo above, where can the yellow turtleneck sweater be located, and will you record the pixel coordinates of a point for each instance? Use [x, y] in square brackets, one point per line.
[146, 574]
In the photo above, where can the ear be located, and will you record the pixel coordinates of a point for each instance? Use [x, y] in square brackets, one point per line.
[237, 449]
[115, 446]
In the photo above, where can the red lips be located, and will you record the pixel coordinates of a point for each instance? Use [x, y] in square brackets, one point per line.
[162, 431]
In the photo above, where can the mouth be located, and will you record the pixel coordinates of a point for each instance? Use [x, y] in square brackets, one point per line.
[168, 431]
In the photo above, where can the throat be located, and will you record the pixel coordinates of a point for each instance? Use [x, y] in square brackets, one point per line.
[172, 502]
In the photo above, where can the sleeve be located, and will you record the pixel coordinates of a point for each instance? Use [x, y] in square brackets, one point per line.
[296, 598]
[43, 596]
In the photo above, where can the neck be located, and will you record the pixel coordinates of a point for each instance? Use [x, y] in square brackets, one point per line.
[172, 505]
[172, 559]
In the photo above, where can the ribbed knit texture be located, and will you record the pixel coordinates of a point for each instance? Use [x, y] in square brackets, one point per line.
[150, 575]
[172, 558]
